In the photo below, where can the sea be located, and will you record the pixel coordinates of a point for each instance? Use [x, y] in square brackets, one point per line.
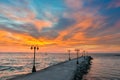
[103, 66]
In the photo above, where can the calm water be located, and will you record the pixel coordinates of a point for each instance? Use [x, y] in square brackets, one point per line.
[104, 67]
[21, 63]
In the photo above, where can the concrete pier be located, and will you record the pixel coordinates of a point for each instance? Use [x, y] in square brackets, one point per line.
[67, 70]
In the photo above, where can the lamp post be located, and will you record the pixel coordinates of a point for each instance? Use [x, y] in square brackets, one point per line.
[77, 51]
[69, 54]
[35, 48]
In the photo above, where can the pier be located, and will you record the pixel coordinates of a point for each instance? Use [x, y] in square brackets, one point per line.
[67, 70]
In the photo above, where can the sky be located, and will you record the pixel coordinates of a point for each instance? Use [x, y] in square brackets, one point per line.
[59, 25]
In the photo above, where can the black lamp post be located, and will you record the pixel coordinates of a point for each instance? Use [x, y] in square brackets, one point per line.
[77, 51]
[35, 48]
[69, 54]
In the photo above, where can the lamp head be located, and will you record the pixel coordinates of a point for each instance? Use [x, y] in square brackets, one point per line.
[69, 50]
[77, 50]
[37, 48]
[31, 47]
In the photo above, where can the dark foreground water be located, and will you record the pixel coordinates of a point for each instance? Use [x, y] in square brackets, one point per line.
[104, 67]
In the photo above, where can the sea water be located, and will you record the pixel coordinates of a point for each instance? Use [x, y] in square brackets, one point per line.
[12, 64]
[104, 66]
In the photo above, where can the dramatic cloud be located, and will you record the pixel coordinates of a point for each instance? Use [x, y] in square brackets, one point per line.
[60, 24]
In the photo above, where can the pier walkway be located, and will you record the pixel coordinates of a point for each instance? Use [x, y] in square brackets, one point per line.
[62, 71]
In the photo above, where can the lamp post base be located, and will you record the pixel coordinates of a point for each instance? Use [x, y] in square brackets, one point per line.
[69, 59]
[77, 62]
[33, 69]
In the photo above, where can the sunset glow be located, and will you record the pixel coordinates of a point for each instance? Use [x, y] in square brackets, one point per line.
[58, 25]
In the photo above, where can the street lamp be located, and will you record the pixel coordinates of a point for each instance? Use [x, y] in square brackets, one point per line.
[77, 51]
[35, 48]
[69, 54]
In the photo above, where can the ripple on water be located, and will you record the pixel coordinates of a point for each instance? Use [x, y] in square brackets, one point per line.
[104, 68]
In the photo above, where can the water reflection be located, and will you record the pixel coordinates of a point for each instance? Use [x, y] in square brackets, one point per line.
[104, 67]
[21, 63]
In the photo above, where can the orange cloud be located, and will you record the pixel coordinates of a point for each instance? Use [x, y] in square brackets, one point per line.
[76, 35]
[9, 38]
[24, 16]
[41, 24]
